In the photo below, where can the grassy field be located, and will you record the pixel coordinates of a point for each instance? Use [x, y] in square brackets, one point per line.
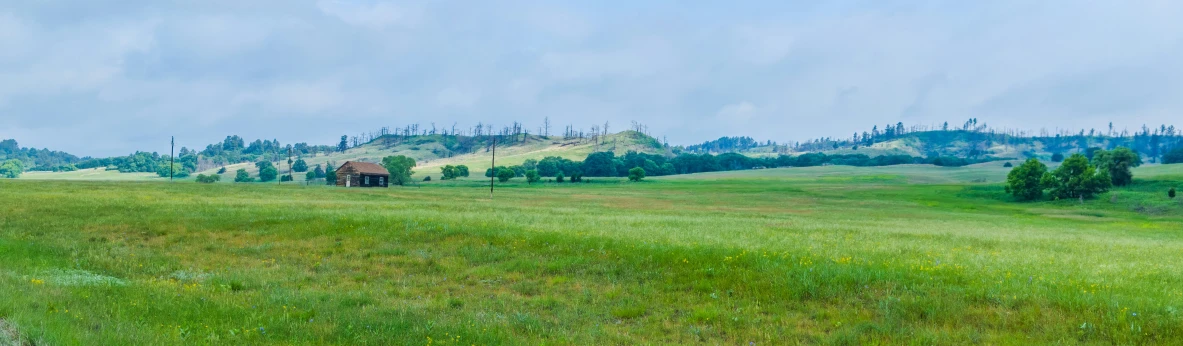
[833, 255]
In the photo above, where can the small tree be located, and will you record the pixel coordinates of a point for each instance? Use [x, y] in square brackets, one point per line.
[222, 170]
[1171, 193]
[241, 176]
[636, 174]
[504, 174]
[576, 177]
[318, 172]
[267, 171]
[559, 177]
[462, 170]
[1024, 182]
[1057, 157]
[310, 176]
[399, 168]
[532, 176]
[1076, 178]
[1007, 165]
[427, 178]
[12, 169]
[330, 175]
[300, 166]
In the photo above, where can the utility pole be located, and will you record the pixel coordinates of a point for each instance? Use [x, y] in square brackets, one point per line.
[172, 146]
[493, 169]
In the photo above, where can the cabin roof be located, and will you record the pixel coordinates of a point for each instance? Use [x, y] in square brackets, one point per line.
[364, 168]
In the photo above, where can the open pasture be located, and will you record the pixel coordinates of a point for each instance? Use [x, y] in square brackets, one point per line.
[834, 255]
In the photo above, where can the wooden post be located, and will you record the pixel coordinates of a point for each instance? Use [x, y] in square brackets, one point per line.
[493, 168]
[172, 146]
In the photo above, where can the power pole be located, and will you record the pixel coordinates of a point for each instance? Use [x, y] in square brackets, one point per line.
[493, 169]
[172, 146]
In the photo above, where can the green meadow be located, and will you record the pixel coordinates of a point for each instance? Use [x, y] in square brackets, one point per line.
[822, 255]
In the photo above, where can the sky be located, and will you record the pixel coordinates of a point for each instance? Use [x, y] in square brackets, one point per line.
[102, 77]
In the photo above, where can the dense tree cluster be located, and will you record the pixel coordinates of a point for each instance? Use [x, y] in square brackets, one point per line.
[208, 179]
[1076, 178]
[450, 172]
[38, 159]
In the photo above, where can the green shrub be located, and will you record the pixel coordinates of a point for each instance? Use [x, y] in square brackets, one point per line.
[559, 177]
[427, 178]
[208, 179]
[636, 174]
[1008, 165]
[1171, 193]
[504, 175]
[532, 176]
[241, 176]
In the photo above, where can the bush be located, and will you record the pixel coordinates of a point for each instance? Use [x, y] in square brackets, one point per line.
[1171, 193]
[427, 178]
[559, 177]
[1076, 178]
[1024, 182]
[636, 174]
[310, 176]
[532, 176]
[285, 177]
[208, 179]
[222, 170]
[1057, 157]
[463, 170]
[241, 176]
[1008, 165]
[300, 166]
[504, 175]
[577, 177]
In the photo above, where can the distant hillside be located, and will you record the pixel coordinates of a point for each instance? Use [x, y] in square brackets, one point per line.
[434, 151]
[1152, 145]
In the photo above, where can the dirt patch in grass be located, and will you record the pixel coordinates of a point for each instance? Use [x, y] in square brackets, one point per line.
[9, 335]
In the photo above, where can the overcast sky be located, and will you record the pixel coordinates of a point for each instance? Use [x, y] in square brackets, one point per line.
[100, 77]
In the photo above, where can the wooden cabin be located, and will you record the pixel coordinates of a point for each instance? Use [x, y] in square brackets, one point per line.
[362, 174]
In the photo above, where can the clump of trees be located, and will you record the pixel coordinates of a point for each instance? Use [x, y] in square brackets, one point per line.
[450, 172]
[177, 170]
[208, 179]
[11, 169]
[400, 168]
[1174, 156]
[1076, 178]
[1118, 163]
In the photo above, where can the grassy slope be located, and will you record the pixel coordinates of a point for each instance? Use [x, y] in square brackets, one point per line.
[424, 150]
[826, 254]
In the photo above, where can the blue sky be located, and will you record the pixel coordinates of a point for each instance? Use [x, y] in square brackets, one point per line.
[111, 77]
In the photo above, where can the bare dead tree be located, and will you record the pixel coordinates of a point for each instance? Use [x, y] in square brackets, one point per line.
[546, 126]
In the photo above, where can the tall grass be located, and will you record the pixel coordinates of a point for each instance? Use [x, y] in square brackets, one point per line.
[773, 257]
